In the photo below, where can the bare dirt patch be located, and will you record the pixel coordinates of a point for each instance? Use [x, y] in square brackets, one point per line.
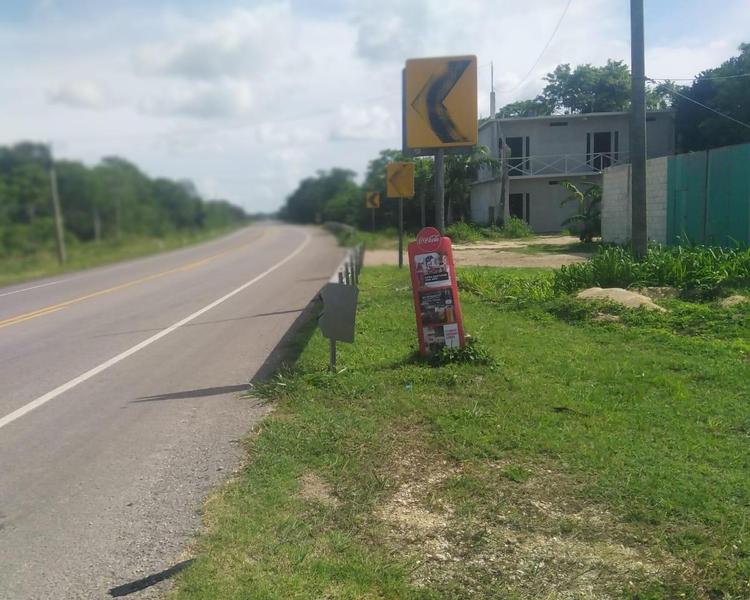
[534, 540]
[314, 489]
[501, 253]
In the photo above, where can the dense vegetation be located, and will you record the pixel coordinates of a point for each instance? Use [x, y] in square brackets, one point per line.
[462, 232]
[112, 200]
[695, 270]
[335, 196]
[725, 89]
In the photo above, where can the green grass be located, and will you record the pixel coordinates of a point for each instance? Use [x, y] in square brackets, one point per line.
[575, 247]
[700, 271]
[585, 459]
[86, 255]
[349, 236]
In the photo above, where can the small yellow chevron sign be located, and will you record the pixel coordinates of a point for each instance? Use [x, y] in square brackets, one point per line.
[372, 200]
[400, 180]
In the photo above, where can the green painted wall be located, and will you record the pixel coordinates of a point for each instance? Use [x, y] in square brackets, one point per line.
[708, 196]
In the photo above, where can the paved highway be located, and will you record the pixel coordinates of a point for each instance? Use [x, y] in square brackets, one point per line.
[120, 403]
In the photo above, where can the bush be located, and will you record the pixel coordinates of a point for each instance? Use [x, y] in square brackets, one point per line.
[462, 232]
[695, 270]
[516, 228]
[500, 287]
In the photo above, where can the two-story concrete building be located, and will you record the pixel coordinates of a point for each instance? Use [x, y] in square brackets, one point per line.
[547, 150]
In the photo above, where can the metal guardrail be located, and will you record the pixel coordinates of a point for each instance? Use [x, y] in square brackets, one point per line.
[339, 298]
[350, 267]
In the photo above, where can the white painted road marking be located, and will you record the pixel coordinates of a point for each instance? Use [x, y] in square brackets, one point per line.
[33, 287]
[20, 412]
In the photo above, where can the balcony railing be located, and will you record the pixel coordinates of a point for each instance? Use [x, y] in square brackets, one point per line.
[565, 164]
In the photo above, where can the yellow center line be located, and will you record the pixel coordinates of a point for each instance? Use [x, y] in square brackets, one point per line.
[55, 307]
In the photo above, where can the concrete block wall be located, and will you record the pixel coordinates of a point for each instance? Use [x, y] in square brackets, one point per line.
[616, 202]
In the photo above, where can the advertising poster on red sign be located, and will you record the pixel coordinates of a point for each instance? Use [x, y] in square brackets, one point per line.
[433, 280]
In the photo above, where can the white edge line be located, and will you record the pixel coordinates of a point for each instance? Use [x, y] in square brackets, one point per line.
[33, 287]
[20, 412]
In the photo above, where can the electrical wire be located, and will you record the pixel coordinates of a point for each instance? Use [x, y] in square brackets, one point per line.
[699, 78]
[549, 41]
[713, 110]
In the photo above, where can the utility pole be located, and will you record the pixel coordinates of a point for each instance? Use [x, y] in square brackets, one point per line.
[439, 177]
[639, 235]
[59, 232]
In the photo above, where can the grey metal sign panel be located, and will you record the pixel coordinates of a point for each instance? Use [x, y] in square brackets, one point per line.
[339, 310]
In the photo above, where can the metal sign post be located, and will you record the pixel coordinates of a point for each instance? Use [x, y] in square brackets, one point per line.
[400, 232]
[372, 200]
[440, 113]
[400, 184]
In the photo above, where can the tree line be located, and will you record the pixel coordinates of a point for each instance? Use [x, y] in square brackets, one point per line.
[111, 200]
[334, 195]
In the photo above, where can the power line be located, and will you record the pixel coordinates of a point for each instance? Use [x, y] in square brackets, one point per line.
[549, 41]
[713, 110]
[699, 78]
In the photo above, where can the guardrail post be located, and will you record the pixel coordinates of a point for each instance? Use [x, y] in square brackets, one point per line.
[332, 356]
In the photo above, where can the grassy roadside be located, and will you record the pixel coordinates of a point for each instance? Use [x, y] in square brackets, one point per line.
[86, 255]
[381, 239]
[542, 248]
[592, 459]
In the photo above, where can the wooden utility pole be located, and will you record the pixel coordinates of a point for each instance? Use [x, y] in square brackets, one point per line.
[439, 178]
[59, 231]
[639, 234]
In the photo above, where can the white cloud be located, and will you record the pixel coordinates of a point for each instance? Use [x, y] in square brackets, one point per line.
[80, 94]
[364, 123]
[221, 100]
[242, 44]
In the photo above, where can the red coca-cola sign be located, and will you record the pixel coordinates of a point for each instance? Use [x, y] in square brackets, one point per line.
[436, 303]
[428, 239]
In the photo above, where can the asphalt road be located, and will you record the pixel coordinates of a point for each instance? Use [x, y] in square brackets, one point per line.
[120, 403]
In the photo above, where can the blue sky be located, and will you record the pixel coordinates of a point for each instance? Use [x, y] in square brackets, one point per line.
[246, 98]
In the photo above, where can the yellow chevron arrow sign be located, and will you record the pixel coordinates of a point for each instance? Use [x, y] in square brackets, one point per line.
[400, 180]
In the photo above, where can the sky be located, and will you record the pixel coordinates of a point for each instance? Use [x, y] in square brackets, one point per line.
[246, 98]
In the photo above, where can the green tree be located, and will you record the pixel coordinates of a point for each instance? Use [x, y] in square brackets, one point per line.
[585, 89]
[113, 197]
[307, 203]
[536, 107]
[698, 128]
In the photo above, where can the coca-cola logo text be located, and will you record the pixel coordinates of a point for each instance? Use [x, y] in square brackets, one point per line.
[429, 238]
